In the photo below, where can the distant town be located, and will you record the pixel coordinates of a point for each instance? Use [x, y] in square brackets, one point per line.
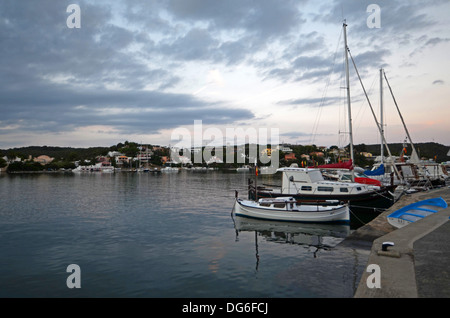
[130, 156]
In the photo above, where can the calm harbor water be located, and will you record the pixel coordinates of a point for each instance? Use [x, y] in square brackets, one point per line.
[165, 235]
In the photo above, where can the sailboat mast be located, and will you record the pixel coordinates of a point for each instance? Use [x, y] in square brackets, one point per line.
[347, 77]
[381, 115]
[414, 152]
[400, 177]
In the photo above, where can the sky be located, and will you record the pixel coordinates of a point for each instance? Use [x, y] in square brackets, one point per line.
[143, 71]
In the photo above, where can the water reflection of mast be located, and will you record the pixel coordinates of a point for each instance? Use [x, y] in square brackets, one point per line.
[257, 252]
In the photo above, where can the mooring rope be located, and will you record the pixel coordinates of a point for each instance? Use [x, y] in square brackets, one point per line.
[353, 214]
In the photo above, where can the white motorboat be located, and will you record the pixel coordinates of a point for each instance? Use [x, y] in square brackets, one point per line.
[309, 184]
[170, 169]
[288, 209]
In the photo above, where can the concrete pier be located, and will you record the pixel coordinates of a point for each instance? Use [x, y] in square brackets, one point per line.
[418, 265]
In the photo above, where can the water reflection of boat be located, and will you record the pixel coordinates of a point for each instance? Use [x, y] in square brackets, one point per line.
[292, 232]
[317, 235]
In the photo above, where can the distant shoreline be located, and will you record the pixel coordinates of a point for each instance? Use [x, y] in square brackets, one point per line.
[127, 170]
[36, 172]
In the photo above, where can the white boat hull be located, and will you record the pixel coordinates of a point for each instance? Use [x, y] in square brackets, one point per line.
[305, 213]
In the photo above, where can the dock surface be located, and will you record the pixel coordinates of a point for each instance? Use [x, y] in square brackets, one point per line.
[417, 265]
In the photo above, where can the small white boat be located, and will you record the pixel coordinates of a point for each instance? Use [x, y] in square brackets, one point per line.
[416, 211]
[287, 209]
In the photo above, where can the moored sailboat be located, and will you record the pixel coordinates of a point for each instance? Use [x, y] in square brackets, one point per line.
[413, 172]
[309, 184]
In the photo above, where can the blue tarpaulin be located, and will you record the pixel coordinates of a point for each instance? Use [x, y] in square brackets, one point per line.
[377, 172]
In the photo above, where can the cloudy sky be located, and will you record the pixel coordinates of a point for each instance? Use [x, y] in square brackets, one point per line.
[138, 70]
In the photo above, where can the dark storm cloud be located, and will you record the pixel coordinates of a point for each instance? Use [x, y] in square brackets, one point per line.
[226, 32]
[61, 108]
[295, 134]
[396, 16]
[401, 22]
[57, 79]
[263, 18]
[302, 68]
[197, 44]
[438, 82]
[428, 43]
[312, 102]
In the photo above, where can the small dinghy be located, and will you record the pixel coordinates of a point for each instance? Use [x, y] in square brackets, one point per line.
[416, 211]
[288, 209]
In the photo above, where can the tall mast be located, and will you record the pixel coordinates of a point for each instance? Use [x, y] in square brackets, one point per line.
[381, 115]
[347, 76]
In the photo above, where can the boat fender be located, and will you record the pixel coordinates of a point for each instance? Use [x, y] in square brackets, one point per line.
[385, 245]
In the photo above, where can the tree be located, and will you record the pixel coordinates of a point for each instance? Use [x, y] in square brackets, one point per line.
[361, 148]
[11, 155]
[361, 160]
[22, 166]
[73, 156]
[130, 149]
[3, 163]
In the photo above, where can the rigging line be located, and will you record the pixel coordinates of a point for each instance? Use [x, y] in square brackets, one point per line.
[363, 109]
[374, 116]
[354, 215]
[316, 123]
[421, 167]
[398, 109]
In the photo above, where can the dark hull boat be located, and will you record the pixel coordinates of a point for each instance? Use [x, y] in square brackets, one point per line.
[376, 200]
